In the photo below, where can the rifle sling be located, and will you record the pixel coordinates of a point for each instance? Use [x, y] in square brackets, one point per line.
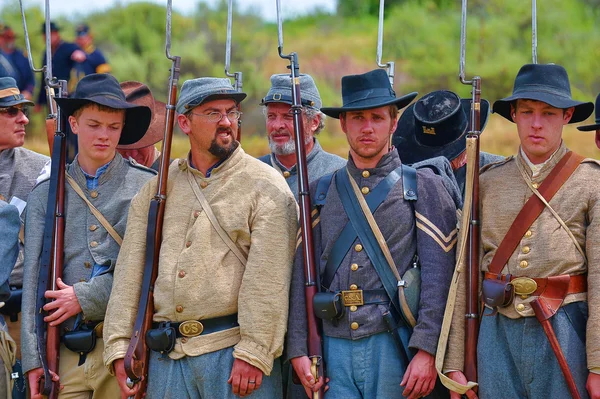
[348, 235]
[533, 208]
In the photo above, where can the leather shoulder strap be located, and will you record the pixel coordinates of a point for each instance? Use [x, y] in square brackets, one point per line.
[409, 182]
[533, 208]
[322, 189]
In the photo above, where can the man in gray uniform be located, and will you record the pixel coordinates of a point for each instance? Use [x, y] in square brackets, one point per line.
[280, 130]
[101, 118]
[363, 359]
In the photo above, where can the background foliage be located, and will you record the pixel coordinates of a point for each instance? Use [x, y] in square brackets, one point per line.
[421, 36]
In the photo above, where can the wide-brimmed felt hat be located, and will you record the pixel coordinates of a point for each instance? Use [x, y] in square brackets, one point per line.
[436, 125]
[10, 94]
[281, 91]
[595, 126]
[139, 94]
[196, 91]
[104, 89]
[367, 91]
[548, 83]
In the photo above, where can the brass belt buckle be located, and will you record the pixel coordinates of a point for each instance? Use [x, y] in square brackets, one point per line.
[353, 298]
[524, 286]
[191, 328]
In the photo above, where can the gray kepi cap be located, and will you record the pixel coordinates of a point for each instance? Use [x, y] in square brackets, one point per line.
[281, 91]
[196, 91]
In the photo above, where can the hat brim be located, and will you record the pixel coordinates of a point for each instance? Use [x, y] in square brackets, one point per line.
[137, 118]
[582, 109]
[155, 132]
[589, 128]
[400, 102]
[13, 102]
[411, 151]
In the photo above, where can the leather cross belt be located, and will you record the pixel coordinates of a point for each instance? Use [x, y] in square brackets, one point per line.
[526, 286]
[193, 328]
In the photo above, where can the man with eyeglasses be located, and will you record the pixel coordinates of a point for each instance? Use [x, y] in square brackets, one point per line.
[19, 168]
[281, 136]
[221, 295]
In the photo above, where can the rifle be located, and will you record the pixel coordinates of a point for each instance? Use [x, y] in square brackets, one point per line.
[315, 350]
[390, 65]
[236, 75]
[136, 358]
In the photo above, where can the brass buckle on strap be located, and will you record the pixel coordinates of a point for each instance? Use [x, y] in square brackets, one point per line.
[524, 286]
[353, 298]
[191, 328]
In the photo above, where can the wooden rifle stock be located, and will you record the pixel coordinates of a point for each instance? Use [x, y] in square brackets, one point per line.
[473, 267]
[315, 350]
[52, 258]
[137, 356]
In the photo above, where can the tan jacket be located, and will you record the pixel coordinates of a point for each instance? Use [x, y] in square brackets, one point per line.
[199, 277]
[546, 249]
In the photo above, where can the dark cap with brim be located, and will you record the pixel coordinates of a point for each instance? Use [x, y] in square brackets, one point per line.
[10, 94]
[367, 91]
[548, 83]
[596, 126]
[104, 89]
[197, 91]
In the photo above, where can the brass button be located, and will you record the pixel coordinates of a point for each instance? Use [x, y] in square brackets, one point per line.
[93, 244]
[358, 248]
[353, 308]
[365, 174]
[188, 244]
[365, 190]
[286, 174]
[184, 340]
[523, 264]
[203, 184]
[520, 307]
[179, 309]
[196, 214]
[182, 274]
[354, 267]
[82, 280]
[87, 265]
[354, 325]
[93, 227]
[353, 287]
[94, 194]
[528, 234]
[535, 185]
[526, 250]
[2, 197]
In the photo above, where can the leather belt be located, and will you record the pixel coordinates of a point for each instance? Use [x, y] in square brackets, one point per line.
[364, 297]
[194, 328]
[526, 286]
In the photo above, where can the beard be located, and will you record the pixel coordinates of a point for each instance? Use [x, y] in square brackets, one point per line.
[287, 148]
[222, 151]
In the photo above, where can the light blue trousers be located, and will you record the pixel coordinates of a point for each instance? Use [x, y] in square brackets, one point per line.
[203, 377]
[515, 360]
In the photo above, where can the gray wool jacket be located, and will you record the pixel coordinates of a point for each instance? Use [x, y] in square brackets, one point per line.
[86, 243]
[428, 229]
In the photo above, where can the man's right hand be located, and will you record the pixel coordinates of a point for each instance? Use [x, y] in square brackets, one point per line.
[34, 376]
[459, 377]
[302, 366]
[126, 392]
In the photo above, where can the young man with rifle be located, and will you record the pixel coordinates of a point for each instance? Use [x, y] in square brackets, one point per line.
[98, 189]
[224, 267]
[540, 230]
[280, 130]
[371, 345]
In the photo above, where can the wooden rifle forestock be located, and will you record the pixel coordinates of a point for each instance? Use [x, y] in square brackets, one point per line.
[315, 350]
[473, 316]
[137, 356]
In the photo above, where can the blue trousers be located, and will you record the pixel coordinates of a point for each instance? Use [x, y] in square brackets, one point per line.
[203, 377]
[515, 359]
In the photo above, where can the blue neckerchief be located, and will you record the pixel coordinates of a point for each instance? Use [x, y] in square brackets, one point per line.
[92, 181]
[208, 172]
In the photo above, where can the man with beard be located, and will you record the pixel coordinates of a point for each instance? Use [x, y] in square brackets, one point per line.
[218, 270]
[280, 130]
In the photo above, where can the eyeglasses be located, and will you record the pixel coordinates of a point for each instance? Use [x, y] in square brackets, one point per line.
[14, 111]
[216, 117]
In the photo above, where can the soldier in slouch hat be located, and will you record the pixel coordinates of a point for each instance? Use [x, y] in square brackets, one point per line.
[546, 261]
[372, 347]
[595, 126]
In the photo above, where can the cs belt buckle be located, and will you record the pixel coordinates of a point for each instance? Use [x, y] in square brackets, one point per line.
[191, 328]
[524, 286]
[353, 298]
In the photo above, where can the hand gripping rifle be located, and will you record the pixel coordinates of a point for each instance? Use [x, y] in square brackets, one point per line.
[52, 257]
[236, 75]
[137, 356]
[315, 350]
